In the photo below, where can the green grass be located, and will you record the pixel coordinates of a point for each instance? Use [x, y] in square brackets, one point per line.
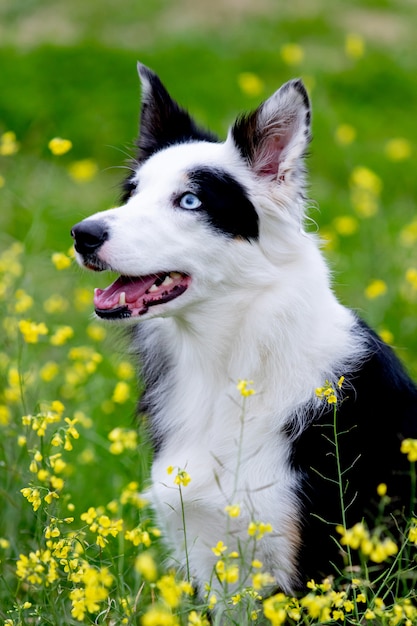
[68, 70]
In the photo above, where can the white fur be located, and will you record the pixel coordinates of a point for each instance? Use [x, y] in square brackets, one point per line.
[263, 311]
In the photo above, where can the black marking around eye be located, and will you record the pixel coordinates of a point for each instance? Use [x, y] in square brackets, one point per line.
[225, 202]
[128, 188]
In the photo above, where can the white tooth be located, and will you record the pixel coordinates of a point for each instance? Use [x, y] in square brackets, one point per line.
[122, 299]
[175, 275]
[153, 288]
[168, 281]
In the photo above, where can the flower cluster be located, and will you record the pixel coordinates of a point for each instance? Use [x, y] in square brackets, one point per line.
[181, 478]
[366, 187]
[328, 392]
[244, 389]
[101, 525]
[409, 447]
[369, 544]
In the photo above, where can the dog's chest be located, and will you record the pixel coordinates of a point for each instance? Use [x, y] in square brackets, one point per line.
[233, 455]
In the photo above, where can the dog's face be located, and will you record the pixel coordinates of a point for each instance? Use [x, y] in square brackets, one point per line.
[198, 215]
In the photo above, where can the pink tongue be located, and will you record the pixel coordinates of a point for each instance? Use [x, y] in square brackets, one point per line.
[134, 289]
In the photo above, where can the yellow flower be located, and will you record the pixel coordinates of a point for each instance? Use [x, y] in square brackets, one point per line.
[354, 46]
[409, 447]
[59, 146]
[125, 371]
[354, 536]
[328, 392]
[275, 609]
[83, 298]
[358, 537]
[61, 260]
[61, 335]
[409, 233]
[96, 332]
[219, 548]
[31, 331]
[159, 616]
[245, 391]
[23, 301]
[366, 187]
[182, 478]
[32, 496]
[138, 536]
[122, 439]
[196, 619]
[346, 225]
[366, 179]
[8, 144]
[146, 566]
[83, 171]
[171, 590]
[292, 54]
[55, 304]
[250, 84]
[121, 392]
[398, 149]
[4, 415]
[258, 529]
[94, 590]
[49, 371]
[375, 289]
[227, 573]
[261, 580]
[381, 490]
[411, 277]
[412, 533]
[212, 601]
[345, 134]
[233, 510]
[386, 336]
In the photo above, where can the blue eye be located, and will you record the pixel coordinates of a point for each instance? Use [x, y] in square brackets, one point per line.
[190, 201]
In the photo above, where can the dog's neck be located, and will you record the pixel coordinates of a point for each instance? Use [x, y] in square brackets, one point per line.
[296, 325]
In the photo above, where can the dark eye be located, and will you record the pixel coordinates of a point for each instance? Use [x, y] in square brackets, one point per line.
[128, 189]
[190, 201]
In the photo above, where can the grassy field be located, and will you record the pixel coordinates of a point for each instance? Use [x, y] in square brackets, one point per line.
[78, 545]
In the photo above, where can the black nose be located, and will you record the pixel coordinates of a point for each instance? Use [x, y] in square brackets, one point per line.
[89, 235]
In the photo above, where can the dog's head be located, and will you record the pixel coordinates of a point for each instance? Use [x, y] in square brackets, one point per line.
[199, 216]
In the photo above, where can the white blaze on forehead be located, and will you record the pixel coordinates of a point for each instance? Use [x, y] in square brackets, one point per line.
[166, 166]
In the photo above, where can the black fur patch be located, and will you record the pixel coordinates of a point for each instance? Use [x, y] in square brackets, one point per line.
[164, 123]
[225, 202]
[377, 412]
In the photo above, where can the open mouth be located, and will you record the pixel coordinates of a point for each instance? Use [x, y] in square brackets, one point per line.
[131, 296]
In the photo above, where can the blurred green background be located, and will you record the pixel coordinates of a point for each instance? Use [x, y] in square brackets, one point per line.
[68, 69]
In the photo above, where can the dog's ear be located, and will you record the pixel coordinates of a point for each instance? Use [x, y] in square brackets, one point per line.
[162, 121]
[273, 138]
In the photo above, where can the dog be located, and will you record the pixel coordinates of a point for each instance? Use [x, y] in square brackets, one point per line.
[220, 282]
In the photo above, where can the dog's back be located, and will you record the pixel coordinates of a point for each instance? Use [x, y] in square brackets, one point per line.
[226, 285]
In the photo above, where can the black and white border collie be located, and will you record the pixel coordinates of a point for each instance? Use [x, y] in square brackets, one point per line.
[219, 281]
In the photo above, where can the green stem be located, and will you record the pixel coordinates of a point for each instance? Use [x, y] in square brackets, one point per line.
[341, 495]
[413, 477]
[187, 563]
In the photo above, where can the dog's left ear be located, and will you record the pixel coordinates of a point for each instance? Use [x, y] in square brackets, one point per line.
[273, 138]
[162, 121]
